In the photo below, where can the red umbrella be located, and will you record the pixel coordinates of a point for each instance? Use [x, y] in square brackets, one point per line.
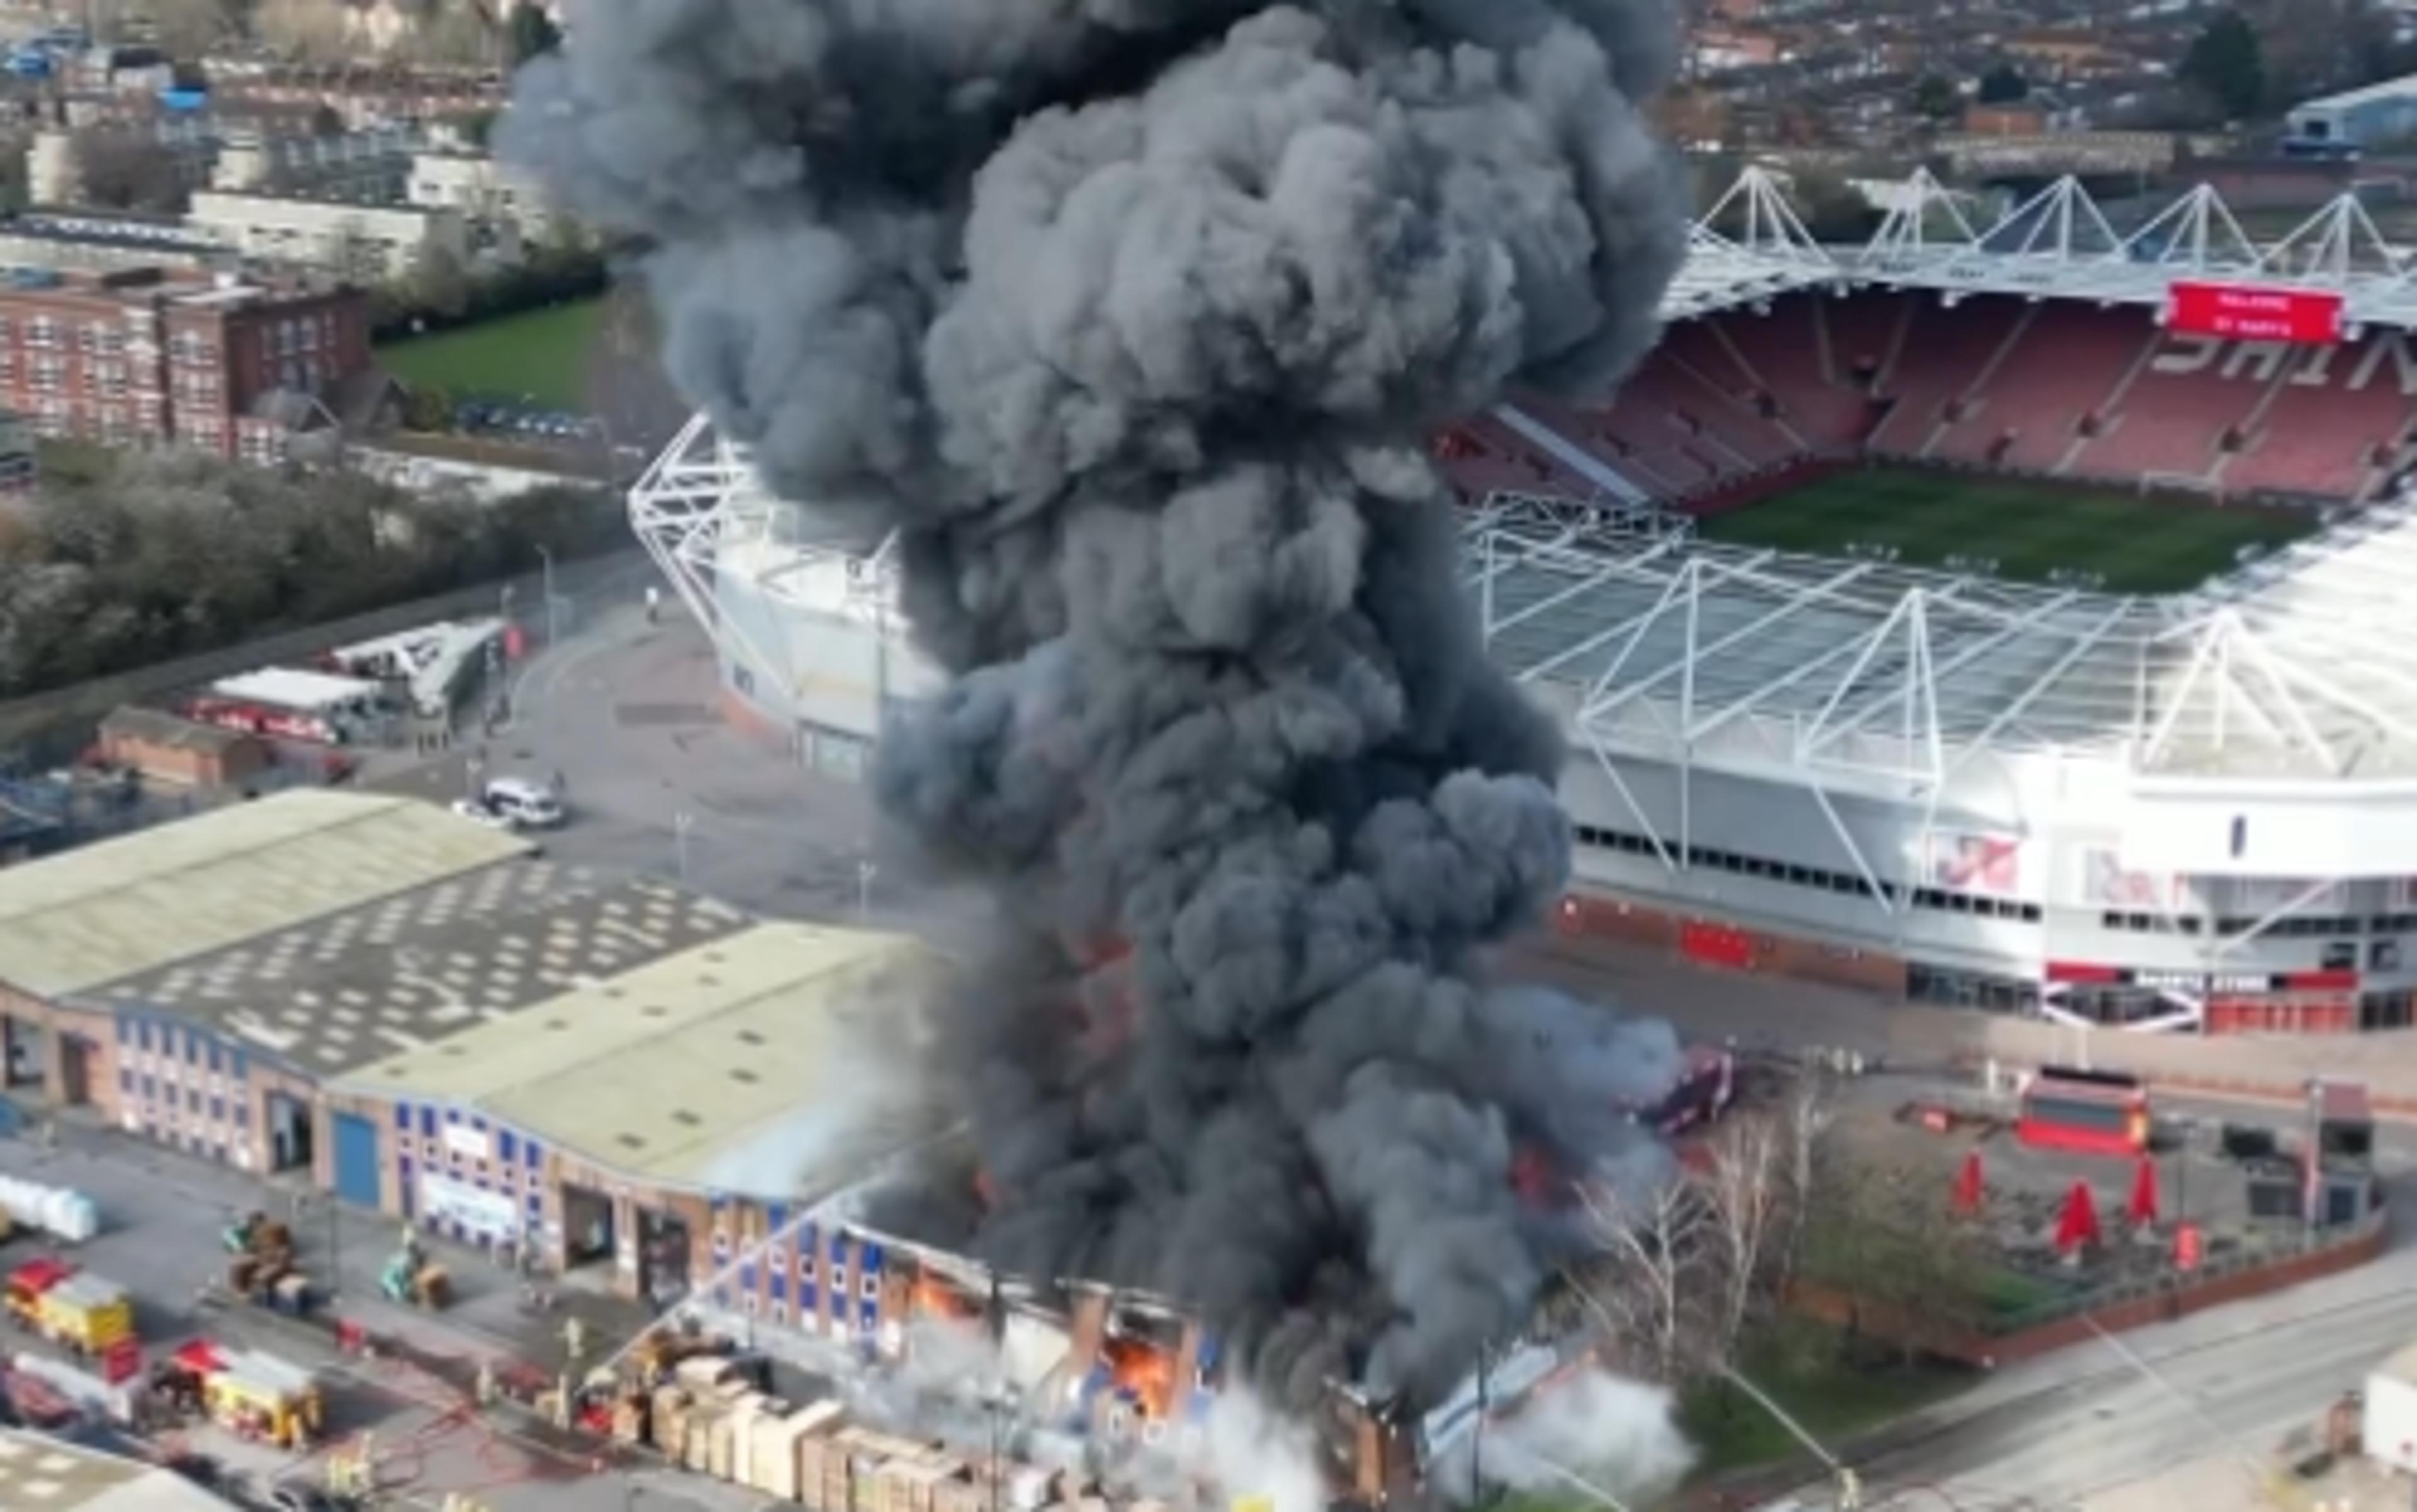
[1968, 1186]
[2079, 1224]
[2142, 1209]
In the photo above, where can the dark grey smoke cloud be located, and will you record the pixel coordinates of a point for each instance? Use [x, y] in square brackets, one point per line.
[1131, 317]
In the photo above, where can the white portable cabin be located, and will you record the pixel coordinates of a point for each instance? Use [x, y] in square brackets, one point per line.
[2388, 1426]
[305, 693]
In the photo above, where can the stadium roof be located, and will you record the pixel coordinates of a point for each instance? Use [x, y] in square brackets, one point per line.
[1897, 678]
[2057, 244]
[75, 920]
[1659, 645]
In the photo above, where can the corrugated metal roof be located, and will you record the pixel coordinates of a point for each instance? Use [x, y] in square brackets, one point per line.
[661, 1072]
[40, 1471]
[74, 921]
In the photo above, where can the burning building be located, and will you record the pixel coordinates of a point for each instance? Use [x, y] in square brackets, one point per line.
[1126, 322]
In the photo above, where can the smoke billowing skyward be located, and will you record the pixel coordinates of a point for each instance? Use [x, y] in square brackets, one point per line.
[1130, 317]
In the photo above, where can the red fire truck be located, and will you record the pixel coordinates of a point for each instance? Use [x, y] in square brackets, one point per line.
[1704, 1092]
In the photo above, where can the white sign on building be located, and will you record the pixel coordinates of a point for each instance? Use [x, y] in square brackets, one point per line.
[467, 1142]
[488, 1216]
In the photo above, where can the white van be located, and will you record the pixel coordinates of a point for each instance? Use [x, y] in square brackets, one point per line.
[531, 806]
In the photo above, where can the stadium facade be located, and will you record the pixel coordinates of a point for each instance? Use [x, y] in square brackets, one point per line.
[2194, 812]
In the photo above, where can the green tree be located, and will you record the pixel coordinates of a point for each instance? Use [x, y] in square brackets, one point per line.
[1934, 97]
[428, 408]
[533, 32]
[440, 285]
[2227, 66]
[2003, 86]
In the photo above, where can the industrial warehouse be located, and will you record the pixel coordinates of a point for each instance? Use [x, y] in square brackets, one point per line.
[430, 1020]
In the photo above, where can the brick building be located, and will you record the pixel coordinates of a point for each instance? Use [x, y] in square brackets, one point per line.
[141, 356]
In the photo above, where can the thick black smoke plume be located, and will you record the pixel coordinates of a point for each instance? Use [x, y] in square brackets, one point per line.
[1131, 317]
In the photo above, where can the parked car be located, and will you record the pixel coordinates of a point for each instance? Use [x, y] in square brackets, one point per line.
[530, 805]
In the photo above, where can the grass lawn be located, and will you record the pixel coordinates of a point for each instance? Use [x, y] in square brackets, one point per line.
[1833, 1390]
[537, 357]
[2030, 529]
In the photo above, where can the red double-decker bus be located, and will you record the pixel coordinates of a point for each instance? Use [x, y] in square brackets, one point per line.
[2086, 1112]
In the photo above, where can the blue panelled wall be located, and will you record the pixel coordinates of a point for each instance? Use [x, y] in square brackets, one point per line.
[826, 1279]
[185, 1087]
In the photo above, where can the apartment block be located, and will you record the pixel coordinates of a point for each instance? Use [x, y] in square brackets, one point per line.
[144, 358]
[502, 206]
[367, 243]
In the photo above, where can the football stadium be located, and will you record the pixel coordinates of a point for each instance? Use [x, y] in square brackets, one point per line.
[2002, 615]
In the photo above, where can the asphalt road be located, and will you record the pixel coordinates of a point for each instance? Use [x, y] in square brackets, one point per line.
[623, 713]
[2252, 1381]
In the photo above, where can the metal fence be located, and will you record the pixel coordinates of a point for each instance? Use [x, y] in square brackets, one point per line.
[2274, 1250]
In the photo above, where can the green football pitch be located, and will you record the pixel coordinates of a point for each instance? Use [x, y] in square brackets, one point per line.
[2031, 530]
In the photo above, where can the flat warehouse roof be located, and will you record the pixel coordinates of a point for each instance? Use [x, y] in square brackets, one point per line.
[661, 1073]
[73, 922]
[415, 968]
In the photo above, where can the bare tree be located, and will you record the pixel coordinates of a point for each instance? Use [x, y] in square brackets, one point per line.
[311, 31]
[124, 171]
[1650, 1284]
[1745, 1181]
[1807, 1112]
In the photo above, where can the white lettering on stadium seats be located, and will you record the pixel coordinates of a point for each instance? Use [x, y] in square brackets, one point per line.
[2354, 368]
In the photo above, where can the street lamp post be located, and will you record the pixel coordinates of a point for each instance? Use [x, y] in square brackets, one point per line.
[680, 823]
[553, 631]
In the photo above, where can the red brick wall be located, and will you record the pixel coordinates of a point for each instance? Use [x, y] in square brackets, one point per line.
[1714, 942]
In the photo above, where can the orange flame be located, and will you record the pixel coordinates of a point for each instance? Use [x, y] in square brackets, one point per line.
[1534, 1178]
[1144, 1369]
[935, 1299]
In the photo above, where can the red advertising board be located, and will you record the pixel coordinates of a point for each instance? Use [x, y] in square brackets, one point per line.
[2247, 313]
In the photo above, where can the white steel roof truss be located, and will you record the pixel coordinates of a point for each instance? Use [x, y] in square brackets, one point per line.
[1803, 598]
[2088, 641]
[2033, 621]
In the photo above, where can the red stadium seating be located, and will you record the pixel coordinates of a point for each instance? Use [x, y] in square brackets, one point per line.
[2069, 359]
[1814, 407]
[2338, 416]
[1733, 400]
[2169, 423]
[1947, 350]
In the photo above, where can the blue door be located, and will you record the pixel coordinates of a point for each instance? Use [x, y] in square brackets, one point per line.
[357, 1160]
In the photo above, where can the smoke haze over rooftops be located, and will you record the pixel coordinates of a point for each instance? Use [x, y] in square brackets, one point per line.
[1130, 317]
